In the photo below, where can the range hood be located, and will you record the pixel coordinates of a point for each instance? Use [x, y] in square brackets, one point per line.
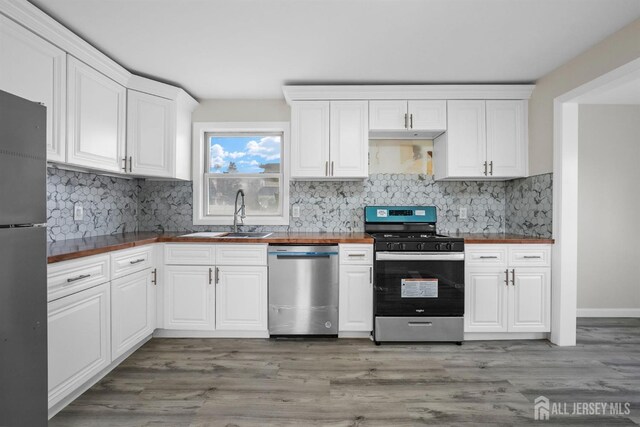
[405, 134]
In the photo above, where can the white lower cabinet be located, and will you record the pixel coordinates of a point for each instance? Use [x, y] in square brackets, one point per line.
[132, 311]
[355, 292]
[79, 337]
[189, 297]
[241, 298]
[513, 296]
[355, 298]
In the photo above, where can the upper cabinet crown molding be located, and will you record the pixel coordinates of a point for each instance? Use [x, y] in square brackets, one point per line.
[46, 27]
[407, 92]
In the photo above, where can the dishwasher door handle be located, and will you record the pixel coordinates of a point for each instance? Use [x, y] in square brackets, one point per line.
[303, 254]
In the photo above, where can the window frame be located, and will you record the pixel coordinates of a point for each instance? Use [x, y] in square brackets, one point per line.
[200, 174]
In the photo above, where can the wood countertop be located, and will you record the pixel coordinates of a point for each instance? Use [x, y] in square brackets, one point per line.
[501, 238]
[65, 250]
[77, 248]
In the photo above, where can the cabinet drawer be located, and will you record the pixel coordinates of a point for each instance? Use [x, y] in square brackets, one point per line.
[486, 255]
[530, 255]
[232, 254]
[356, 254]
[189, 254]
[131, 260]
[68, 277]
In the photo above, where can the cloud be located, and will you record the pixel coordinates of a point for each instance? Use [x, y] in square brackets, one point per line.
[249, 162]
[268, 148]
[217, 156]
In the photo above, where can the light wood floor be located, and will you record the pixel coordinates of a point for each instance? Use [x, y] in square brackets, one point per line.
[228, 382]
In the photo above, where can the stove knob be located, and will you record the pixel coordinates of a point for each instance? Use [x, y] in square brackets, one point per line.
[447, 247]
[389, 245]
[437, 246]
[419, 246]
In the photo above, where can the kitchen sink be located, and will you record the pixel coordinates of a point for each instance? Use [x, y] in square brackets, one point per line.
[246, 235]
[206, 234]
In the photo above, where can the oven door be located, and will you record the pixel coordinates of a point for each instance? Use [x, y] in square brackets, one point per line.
[419, 284]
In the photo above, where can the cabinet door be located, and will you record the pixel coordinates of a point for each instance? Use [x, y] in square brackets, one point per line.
[189, 297]
[309, 139]
[388, 115]
[530, 300]
[355, 308]
[96, 118]
[506, 138]
[34, 69]
[150, 134]
[466, 139]
[132, 311]
[241, 298]
[349, 146]
[428, 115]
[78, 340]
[486, 295]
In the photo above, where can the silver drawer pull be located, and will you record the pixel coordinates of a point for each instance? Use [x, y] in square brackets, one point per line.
[420, 323]
[80, 277]
[137, 261]
[356, 255]
[488, 257]
[532, 257]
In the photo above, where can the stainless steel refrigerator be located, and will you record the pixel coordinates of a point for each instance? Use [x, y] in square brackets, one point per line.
[23, 263]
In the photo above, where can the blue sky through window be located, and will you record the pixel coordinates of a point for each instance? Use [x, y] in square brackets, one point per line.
[245, 154]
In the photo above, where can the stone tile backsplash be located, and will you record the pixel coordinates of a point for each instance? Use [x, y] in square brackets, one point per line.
[114, 205]
[529, 206]
[110, 204]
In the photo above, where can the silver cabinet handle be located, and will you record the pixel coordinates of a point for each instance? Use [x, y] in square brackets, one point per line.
[217, 275]
[125, 164]
[130, 163]
[491, 168]
[411, 121]
[371, 275]
[326, 168]
[532, 257]
[80, 277]
[513, 277]
[488, 257]
[331, 167]
[356, 255]
[210, 274]
[485, 168]
[406, 121]
[506, 277]
[137, 261]
[154, 280]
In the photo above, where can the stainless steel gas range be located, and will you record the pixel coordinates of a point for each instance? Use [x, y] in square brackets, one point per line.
[419, 276]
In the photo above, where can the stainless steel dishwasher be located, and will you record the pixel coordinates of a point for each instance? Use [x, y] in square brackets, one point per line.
[303, 290]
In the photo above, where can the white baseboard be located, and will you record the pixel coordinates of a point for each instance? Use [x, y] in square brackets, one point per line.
[608, 312]
[354, 334]
[171, 333]
[495, 336]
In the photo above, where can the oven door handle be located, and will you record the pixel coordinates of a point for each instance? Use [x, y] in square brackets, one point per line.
[419, 256]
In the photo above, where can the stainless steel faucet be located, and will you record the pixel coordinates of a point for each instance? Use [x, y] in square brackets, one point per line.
[237, 211]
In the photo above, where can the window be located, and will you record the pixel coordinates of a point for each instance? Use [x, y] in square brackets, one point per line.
[241, 156]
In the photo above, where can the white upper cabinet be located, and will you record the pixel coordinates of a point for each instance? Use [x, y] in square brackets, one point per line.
[34, 69]
[150, 135]
[506, 138]
[310, 139]
[414, 119]
[484, 140]
[329, 139]
[349, 140]
[96, 118]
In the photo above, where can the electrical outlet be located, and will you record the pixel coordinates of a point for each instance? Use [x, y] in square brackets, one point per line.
[78, 212]
[463, 213]
[295, 211]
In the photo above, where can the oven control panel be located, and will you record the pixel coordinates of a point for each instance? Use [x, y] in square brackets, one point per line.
[421, 246]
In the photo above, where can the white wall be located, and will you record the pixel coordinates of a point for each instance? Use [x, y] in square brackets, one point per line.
[242, 110]
[616, 50]
[609, 207]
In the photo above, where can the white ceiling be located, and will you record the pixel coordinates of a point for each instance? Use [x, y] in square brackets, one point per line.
[250, 48]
